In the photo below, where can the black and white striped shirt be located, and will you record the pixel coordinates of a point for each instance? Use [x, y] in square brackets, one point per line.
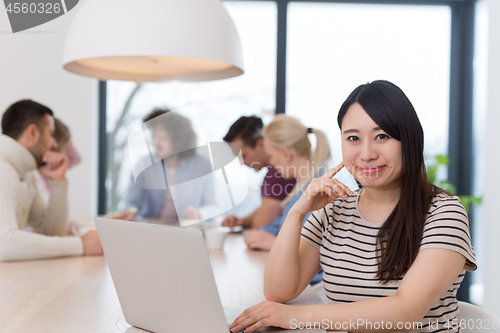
[347, 244]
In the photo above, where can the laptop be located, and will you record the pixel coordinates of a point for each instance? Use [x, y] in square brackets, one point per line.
[163, 277]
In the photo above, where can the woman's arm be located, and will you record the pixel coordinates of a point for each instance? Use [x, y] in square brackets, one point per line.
[427, 280]
[292, 263]
[266, 213]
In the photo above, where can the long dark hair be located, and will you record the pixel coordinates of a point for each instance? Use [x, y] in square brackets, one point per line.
[400, 236]
[177, 126]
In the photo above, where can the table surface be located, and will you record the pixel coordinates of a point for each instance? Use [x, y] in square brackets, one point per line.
[76, 294]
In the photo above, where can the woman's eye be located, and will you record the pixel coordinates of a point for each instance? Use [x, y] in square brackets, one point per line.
[352, 138]
[383, 136]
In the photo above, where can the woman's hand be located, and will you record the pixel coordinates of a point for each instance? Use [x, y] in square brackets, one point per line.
[265, 314]
[192, 213]
[321, 191]
[232, 221]
[127, 215]
[259, 240]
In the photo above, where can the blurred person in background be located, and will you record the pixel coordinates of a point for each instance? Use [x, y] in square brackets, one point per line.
[25, 145]
[286, 141]
[246, 132]
[62, 135]
[172, 139]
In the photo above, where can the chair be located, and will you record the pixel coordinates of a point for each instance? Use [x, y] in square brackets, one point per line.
[470, 318]
[318, 288]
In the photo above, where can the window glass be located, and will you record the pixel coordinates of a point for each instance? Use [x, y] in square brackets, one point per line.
[332, 48]
[219, 103]
[480, 110]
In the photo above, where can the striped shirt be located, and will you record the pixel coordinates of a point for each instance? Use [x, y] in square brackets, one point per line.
[347, 246]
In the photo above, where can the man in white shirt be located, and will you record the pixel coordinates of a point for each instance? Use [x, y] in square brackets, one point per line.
[25, 145]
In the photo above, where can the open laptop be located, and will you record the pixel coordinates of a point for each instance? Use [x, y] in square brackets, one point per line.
[163, 277]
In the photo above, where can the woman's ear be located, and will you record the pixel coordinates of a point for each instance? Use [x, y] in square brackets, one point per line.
[288, 153]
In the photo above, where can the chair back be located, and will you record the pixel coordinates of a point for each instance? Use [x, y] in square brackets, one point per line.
[473, 319]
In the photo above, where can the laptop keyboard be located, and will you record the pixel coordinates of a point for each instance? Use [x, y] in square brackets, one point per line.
[231, 314]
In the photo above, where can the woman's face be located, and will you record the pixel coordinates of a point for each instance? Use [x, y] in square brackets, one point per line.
[278, 159]
[369, 154]
[162, 143]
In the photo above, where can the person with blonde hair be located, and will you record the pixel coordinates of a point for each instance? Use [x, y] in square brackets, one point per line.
[286, 141]
[62, 135]
[246, 133]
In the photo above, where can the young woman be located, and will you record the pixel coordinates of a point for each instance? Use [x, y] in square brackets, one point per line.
[176, 162]
[62, 135]
[394, 253]
[286, 141]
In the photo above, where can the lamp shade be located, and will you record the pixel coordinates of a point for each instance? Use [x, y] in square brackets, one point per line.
[153, 40]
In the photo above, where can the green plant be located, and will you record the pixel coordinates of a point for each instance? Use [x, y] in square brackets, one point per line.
[439, 162]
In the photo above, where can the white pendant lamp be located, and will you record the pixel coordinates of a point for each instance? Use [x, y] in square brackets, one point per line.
[153, 40]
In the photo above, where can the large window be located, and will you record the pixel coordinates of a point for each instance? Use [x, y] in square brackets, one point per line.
[304, 58]
[332, 48]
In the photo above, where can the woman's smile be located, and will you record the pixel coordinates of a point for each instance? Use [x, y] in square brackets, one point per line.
[371, 170]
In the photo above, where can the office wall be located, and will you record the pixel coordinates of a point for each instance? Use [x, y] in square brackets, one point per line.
[30, 67]
[492, 174]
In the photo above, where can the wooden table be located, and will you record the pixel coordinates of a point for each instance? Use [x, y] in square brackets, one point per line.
[76, 294]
